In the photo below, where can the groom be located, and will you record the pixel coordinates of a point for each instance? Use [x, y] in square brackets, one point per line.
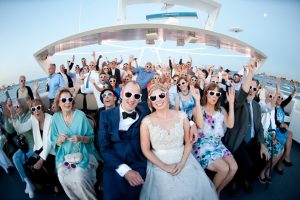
[119, 139]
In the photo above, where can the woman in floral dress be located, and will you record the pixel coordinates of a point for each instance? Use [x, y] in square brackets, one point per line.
[209, 149]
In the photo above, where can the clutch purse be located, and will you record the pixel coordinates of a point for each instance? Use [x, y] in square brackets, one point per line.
[73, 158]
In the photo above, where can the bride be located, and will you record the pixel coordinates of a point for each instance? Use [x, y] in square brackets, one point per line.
[172, 171]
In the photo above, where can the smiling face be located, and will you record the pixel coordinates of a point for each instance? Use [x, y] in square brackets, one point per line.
[129, 95]
[182, 85]
[37, 109]
[65, 102]
[159, 99]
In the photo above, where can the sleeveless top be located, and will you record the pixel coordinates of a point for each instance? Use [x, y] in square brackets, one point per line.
[187, 106]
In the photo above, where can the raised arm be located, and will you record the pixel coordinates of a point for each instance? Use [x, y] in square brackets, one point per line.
[36, 90]
[229, 118]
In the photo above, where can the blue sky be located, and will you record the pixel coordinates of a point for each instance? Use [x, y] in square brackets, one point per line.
[273, 26]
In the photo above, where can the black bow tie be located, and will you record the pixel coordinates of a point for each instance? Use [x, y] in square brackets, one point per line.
[131, 115]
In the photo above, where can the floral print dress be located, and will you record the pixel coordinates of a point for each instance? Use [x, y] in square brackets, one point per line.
[209, 146]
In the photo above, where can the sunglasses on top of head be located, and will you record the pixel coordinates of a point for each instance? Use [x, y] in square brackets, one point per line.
[36, 108]
[213, 93]
[253, 88]
[67, 100]
[129, 94]
[154, 97]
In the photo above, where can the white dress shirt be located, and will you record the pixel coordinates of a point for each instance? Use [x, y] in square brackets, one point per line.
[124, 126]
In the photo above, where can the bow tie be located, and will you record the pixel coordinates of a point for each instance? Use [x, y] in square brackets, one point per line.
[131, 115]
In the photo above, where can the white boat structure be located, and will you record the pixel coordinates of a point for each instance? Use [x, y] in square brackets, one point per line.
[151, 33]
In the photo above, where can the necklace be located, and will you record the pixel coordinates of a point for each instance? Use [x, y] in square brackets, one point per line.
[185, 94]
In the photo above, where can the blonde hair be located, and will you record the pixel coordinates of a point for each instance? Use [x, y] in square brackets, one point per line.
[152, 89]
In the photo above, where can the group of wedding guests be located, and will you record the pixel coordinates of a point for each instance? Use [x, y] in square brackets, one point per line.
[156, 135]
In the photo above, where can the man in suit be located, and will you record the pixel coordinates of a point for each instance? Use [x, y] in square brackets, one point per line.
[246, 140]
[114, 71]
[119, 133]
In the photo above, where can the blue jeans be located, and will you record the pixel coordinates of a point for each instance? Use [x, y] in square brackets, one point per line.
[19, 160]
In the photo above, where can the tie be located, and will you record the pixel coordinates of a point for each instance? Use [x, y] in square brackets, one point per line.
[248, 134]
[131, 115]
[88, 80]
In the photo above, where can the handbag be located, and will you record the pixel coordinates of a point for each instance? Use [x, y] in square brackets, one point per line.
[40, 176]
[73, 157]
[22, 143]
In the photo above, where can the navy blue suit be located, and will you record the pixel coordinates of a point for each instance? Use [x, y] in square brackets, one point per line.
[121, 147]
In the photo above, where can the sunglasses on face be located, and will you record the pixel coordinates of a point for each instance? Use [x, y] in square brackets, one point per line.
[112, 81]
[175, 80]
[194, 80]
[161, 96]
[216, 82]
[101, 76]
[17, 107]
[129, 94]
[148, 66]
[69, 165]
[212, 93]
[253, 88]
[270, 96]
[108, 94]
[182, 83]
[36, 108]
[279, 97]
[67, 100]
[22, 81]
[156, 77]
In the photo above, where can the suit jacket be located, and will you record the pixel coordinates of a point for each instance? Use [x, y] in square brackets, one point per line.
[235, 136]
[117, 75]
[113, 149]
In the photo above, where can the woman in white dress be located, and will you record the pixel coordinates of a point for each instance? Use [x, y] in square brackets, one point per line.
[172, 171]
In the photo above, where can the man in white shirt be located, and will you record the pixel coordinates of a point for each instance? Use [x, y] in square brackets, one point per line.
[119, 138]
[87, 86]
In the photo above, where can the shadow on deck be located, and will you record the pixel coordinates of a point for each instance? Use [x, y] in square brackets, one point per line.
[284, 186]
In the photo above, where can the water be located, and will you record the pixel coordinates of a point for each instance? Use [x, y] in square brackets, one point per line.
[269, 82]
[12, 91]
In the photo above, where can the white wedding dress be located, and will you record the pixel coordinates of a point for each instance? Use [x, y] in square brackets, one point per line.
[190, 183]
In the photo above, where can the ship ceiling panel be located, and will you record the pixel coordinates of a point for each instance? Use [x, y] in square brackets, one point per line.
[133, 32]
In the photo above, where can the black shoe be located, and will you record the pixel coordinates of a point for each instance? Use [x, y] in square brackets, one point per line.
[247, 187]
[262, 180]
[280, 172]
[286, 163]
[10, 170]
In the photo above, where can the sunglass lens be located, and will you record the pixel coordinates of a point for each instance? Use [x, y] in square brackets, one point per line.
[218, 94]
[63, 100]
[137, 96]
[32, 109]
[152, 98]
[162, 95]
[128, 94]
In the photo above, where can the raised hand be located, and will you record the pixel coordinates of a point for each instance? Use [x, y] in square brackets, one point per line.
[230, 95]
[195, 92]
[35, 86]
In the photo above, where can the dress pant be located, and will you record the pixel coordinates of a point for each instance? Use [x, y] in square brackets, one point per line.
[248, 159]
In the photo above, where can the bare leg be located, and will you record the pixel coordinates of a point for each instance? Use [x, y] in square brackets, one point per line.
[232, 170]
[221, 168]
[288, 146]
